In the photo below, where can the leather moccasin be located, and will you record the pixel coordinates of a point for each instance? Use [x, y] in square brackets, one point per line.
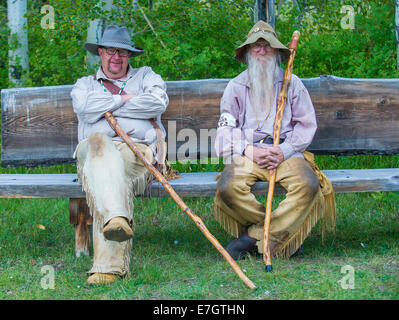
[118, 229]
[238, 248]
[102, 278]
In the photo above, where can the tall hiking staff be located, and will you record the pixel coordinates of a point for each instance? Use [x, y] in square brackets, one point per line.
[276, 138]
[118, 130]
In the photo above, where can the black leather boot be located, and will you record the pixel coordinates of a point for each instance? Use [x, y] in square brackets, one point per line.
[238, 248]
[299, 252]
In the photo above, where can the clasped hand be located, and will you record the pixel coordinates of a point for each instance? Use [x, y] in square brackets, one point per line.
[267, 157]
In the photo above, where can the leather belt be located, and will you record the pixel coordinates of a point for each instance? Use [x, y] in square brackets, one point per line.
[269, 140]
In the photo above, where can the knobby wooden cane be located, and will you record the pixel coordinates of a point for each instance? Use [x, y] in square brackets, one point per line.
[276, 138]
[119, 131]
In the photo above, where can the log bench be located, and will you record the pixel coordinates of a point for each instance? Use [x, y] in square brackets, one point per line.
[39, 127]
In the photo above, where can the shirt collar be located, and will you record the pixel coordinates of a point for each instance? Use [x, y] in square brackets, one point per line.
[101, 75]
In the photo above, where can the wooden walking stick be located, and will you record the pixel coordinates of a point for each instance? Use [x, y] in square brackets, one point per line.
[276, 139]
[114, 124]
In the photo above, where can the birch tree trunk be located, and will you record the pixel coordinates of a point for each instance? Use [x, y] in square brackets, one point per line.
[95, 32]
[18, 53]
[397, 32]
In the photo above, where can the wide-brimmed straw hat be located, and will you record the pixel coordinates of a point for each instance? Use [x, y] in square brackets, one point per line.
[116, 37]
[262, 30]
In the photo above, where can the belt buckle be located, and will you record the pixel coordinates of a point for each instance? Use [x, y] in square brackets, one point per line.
[266, 138]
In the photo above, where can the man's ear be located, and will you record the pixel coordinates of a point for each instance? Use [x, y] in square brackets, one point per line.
[99, 51]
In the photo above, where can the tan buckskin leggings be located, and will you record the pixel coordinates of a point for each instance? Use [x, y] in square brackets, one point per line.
[109, 172]
[236, 208]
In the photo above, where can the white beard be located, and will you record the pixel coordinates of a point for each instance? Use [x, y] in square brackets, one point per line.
[261, 79]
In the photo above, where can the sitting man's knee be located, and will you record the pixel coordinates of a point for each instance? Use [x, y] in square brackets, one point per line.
[98, 137]
[224, 185]
[97, 142]
[311, 183]
[306, 179]
[228, 187]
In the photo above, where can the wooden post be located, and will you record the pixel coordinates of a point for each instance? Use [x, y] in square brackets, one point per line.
[18, 42]
[79, 215]
[264, 10]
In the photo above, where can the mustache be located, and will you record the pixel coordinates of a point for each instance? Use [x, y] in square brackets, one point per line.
[259, 70]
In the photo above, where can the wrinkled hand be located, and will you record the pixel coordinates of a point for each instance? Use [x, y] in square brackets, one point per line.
[267, 157]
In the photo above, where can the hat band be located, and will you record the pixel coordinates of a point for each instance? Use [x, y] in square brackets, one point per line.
[257, 29]
[117, 41]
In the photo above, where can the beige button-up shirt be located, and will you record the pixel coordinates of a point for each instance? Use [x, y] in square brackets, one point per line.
[237, 126]
[91, 101]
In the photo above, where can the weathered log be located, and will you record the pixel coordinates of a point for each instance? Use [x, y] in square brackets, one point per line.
[190, 184]
[355, 116]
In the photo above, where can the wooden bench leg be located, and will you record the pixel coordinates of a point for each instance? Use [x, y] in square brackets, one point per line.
[79, 215]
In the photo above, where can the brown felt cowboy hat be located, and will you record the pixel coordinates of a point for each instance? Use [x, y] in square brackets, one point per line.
[262, 30]
[116, 37]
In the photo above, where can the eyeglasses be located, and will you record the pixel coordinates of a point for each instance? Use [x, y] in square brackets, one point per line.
[258, 46]
[122, 52]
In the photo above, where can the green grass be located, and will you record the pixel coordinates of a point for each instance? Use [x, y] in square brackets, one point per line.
[171, 259]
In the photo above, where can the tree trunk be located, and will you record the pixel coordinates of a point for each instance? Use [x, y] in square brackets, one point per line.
[18, 42]
[95, 32]
[264, 10]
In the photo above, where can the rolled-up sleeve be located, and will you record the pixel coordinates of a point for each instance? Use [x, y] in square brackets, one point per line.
[303, 121]
[230, 139]
[91, 105]
[151, 103]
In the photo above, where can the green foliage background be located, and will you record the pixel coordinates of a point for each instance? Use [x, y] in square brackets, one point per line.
[200, 37]
[195, 39]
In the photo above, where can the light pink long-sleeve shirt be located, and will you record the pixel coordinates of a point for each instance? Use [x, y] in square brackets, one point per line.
[237, 125]
[90, 103]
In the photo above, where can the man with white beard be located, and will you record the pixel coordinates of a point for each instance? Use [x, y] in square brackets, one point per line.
[245, 141]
